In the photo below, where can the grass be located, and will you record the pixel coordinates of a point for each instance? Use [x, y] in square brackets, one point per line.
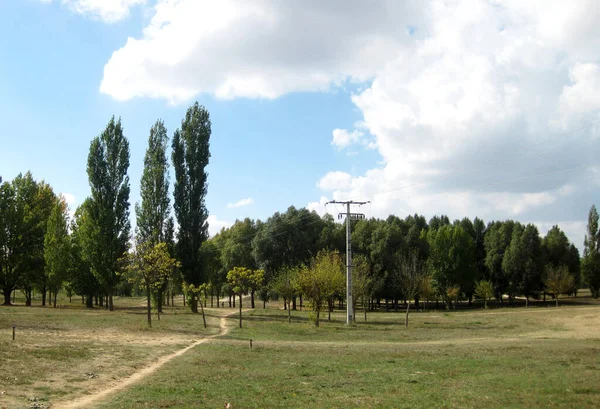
[505, 357]
[517, 358]
[69, 351]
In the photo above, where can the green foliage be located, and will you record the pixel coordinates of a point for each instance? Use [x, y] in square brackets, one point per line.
[363, 284]
[484, 290]
[190, 157]
[107, 241]
[321, 280]
[242, 280]
[590, 263]
[559, 281]
[153, 212]
[522, 262]
[57, 246]
[451, 259]
[497, 239]
[149, 266]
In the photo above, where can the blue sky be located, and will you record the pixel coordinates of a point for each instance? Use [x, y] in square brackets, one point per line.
[460, 107]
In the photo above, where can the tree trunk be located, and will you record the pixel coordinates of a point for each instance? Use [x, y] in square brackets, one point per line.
[527, 301]
[230, 301]
[7, 293]
[28, 297]
[203, 316]
[89, 301]
[252, 298]
[556, 298]
[264, 304]
[101, 300]
[289, 315]
[240, 310]
[285, 304]
[55, 299]
[111, 306]
[365, 310]
[233, 301]
[211, 300]
[329, 308]
[407, 311]
[318, 316]
[294, 303]
[149, 307]
[300, 302]
[44, 297]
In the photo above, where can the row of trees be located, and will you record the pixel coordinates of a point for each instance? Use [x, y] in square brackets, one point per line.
[94, 254]
[451, 258]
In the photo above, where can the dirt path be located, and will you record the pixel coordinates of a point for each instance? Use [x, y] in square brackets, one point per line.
[90, 400]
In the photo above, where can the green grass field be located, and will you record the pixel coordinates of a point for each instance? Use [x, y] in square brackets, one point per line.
[517, 358]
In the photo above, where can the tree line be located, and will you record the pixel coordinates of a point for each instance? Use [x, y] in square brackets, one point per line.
[95, 254]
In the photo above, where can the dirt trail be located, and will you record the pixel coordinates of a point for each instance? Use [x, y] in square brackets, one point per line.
[90, 400]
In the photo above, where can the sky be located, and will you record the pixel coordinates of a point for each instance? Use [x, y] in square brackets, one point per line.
[465, 108]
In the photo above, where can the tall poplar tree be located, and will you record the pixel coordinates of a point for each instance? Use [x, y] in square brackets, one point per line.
[590, 264]
[190, 157]
[57, 248]
[107, 166]
[153, 212]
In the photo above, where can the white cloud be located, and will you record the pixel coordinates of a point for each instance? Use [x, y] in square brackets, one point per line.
[342, 138]
[264, 49]
[241, 203]
[69, 198]
[335, 181]
[109, 11]
[215, 225]
[480, 108]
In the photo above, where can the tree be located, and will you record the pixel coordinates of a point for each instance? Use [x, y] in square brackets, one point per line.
[485, 290]
[451, 259]
[153, 213]
[497, 239]
[557, 250]
[286, 287]
[57, 247]
[558, 281]
[590, 264]
[236, 248]
[108, 161]
[10, 243]
[522, 262]
[80, 273]
[243, 280]
[410, 278]
[321, 280]
[149, 266]
[362, 282]
[190, 157]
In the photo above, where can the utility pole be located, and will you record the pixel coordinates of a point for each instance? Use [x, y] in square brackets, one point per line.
[349, 216]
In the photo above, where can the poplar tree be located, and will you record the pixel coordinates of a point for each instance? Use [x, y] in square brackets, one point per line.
[190, 157]
[108, 162]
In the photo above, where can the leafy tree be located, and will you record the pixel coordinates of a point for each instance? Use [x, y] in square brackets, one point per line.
[153, 213]
[214, 267]
[522, 262]
[485, 290]
[57, 247]
[190, 157]
[322, 280]
[410, 277]
[362, 282]
[10, 240]
[557, 250]
[243, 280]
[497, 239]
[285, 286]
[590, 264]
[558, 281]
[107, 242]
[149, 266]
[80, 273]
[451, 259]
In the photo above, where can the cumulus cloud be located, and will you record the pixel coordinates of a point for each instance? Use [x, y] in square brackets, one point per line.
[334, 181]
[215, 225]
[109, 11]
[241, 203]
[263, 49]
[475, 107]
